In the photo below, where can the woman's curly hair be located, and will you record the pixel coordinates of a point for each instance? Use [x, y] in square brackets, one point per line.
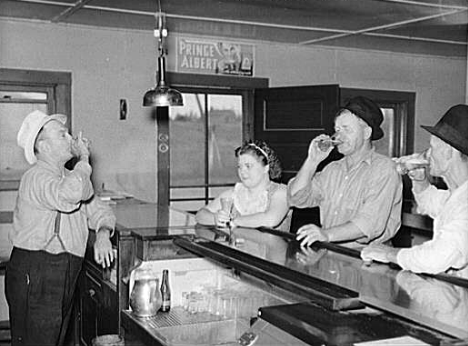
[264, 154]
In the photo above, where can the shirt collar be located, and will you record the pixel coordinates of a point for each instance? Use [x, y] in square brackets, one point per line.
[367, 157]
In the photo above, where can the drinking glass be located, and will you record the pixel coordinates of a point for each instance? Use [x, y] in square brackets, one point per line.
[411, 162]
[226, 205]
[325, 143]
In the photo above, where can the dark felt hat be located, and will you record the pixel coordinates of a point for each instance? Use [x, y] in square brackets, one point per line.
[453, 128]
[369, 111]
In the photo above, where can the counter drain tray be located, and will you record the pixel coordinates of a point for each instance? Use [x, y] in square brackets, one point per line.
[178, 316]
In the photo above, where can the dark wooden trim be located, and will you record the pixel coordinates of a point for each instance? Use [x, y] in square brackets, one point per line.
[60, 81]
[202, 80]
[163, 162]
[35, 76]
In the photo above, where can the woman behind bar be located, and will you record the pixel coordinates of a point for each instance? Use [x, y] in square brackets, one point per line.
[256, 200]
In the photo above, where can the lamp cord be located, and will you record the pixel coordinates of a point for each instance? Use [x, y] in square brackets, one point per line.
[159, 23]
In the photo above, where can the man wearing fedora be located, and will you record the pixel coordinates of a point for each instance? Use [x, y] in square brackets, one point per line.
[359, 196]
[447, 251]
[54, 209]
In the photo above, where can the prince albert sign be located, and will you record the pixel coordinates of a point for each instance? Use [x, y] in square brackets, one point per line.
[214, 57]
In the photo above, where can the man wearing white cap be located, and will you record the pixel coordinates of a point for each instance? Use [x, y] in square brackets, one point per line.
[447, 251]
[54, 209]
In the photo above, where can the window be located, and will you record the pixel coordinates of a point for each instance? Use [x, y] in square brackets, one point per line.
[203, 136]
[216, 118]
[22, 92]
[14, 106]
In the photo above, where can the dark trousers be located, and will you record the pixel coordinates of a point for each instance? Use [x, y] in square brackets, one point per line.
[39, 288]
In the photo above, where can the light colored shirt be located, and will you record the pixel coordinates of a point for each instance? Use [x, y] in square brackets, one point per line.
[448, 248]
[369, 195]
[42, 193]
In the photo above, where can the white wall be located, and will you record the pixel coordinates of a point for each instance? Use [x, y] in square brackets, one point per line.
[109, 64]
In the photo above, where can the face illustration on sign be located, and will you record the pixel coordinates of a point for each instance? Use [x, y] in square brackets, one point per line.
[231, 57]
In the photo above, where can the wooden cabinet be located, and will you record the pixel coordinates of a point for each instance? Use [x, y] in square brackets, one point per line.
[97, 304]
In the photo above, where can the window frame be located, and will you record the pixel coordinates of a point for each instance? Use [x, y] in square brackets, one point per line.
[403, 104]
[227, 85]
[57, 86]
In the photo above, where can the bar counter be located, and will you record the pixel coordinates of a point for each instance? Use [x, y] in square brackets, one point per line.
[319, 295]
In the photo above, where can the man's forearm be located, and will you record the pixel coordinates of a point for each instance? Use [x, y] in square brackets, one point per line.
[105, 231]
[345, 232]
[304, 176]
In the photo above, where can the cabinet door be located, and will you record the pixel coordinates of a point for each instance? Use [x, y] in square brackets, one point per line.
[107, 315]
[90, 292]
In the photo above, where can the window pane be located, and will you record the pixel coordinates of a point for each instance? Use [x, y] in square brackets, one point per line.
[386, 145]
[216, 191]
[187, 140]
[196, 192]
[21, 95]
[13, 163]
[225, 135]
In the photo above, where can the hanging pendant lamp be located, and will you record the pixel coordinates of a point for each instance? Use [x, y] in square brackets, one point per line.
[162, 95]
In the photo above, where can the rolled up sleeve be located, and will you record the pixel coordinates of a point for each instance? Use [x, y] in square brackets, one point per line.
[448, 249]
[308, 197]
[59, 193]
[100, 215]
[431, 200]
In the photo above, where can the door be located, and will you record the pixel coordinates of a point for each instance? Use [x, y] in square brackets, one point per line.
[288, 118]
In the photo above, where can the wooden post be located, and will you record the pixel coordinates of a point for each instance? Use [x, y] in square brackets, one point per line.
[163, 166]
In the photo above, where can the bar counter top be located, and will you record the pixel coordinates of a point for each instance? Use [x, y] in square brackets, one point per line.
[438, 304]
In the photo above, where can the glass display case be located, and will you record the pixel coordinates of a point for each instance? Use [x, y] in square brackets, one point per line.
[258, 287]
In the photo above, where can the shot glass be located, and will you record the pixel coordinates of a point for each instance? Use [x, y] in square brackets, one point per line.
[326, 143]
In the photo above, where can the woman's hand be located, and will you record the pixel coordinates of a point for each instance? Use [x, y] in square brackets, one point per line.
[222, 218]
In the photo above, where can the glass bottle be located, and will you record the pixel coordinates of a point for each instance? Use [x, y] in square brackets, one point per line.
[165, 292]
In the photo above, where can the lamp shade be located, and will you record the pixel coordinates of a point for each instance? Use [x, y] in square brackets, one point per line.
[162, 95]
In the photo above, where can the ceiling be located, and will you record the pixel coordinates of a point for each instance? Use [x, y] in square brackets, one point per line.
[435, 27]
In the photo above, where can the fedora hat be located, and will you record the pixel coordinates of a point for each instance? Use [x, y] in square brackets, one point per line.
[452, 128]
[30, 128]
[369, 111]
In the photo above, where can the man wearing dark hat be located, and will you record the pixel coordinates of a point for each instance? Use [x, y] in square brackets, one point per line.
[448, 158]
[53, 211]
[359, 196]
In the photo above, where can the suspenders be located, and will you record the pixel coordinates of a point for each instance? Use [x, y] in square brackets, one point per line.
[56, 232]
